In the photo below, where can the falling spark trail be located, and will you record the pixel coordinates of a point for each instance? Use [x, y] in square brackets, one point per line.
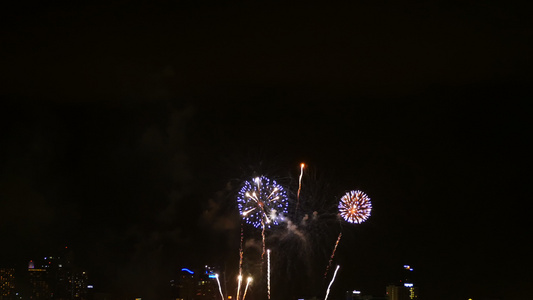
[332, 255]
[263, 237]
[268, 272]
[239, 285]
[240, 263]
[240, 250]
[246, 288]
[302, 165]
[329, 286]
[219, 287]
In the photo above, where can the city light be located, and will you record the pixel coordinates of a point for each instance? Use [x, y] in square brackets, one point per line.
[187, 270]
[408, 267]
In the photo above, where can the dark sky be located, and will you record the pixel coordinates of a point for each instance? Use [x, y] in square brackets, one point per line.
[127, 130]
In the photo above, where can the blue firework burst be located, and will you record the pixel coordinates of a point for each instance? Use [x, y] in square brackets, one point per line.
[262, 201]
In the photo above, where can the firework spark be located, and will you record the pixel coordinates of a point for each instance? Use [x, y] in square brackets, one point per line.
[241, 251]
[263, 239]
[262, 200]
[332, 255]
[355, 207]
[239, 278]
[331, 282]
[302, 165]
[268, 273]
[219, 287]
[246, 288]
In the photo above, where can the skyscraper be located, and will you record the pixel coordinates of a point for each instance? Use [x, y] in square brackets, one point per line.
[198, 285]
[397, 292]
[56, 278]
[78, 285]
[405, 288]
[7, 283]
[40, 289]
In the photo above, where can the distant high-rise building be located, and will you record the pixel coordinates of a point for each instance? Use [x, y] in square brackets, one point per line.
[198, 285]
[357, 295]
[56, 278]
[397, 292]
[7, 284]
[405, 289]
[78, 283]
[40, 289]
[207, 288]
[186, 284]
[406, 292]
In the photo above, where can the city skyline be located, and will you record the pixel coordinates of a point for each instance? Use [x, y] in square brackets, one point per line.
[46, 278]
[127, 131]
[43, 278]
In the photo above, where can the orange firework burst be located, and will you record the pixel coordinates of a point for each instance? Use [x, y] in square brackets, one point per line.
[355, 207]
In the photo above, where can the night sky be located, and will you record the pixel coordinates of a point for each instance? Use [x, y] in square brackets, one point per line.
[127, 130]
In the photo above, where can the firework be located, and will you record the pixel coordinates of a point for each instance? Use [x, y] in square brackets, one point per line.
[332, 255]
[268, 272]
[302, 165]
[219, 287]
[246, 288]
[261, 201]
[239, 278]
[331, 282]
[263, 239]
[355, 207]
[241, 251]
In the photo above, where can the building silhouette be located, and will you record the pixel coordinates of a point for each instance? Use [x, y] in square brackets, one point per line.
[55, 277]
[194, 285]
[39, 283]
[357, 295]
[7, 284]
[405, 288]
